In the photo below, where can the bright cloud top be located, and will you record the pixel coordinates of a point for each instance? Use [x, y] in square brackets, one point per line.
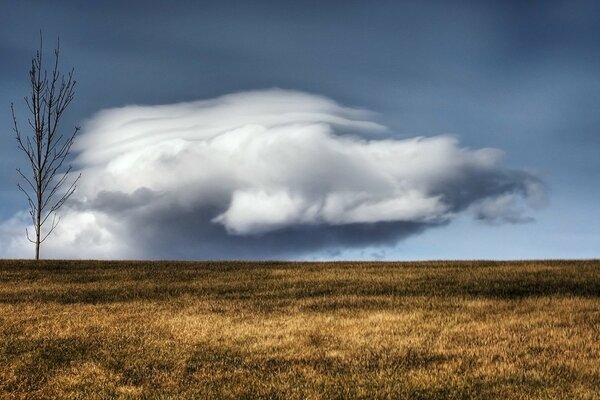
[269, 173]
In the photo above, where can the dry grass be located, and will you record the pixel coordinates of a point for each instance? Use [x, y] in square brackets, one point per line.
[437, 330]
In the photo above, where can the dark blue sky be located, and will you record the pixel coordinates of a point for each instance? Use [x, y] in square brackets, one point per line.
[522, 76]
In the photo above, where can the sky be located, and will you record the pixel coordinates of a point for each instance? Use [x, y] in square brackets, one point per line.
[390, 130]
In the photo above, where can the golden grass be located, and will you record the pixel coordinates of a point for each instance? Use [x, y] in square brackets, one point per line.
[435, 330]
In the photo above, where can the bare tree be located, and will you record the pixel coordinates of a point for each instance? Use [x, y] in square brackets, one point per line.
[48, 185]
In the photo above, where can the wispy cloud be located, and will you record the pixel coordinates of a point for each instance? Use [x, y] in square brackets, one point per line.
[263, 174]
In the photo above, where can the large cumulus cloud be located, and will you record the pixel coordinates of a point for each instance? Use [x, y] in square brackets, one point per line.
[266, 174]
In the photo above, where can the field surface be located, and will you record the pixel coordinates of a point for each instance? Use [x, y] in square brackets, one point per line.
[175, 330]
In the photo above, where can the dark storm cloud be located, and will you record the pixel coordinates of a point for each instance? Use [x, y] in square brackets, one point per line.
[178, 234]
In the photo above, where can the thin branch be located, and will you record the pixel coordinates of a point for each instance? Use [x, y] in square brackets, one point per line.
[55, 222]
[28, 238]
[26, 179]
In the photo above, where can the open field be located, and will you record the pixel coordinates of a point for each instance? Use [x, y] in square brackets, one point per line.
[435, 330]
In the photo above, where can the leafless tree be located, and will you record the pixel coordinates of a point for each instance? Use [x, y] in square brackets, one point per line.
[48, 185]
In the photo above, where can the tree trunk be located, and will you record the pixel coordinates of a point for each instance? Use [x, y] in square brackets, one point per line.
[37, 247]
[38, 232]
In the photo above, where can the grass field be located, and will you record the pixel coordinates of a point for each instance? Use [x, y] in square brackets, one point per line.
[433, 330]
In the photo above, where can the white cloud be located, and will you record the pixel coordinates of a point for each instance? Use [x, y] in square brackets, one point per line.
[264, 162]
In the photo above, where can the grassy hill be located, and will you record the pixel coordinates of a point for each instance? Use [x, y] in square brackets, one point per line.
[431, 330]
